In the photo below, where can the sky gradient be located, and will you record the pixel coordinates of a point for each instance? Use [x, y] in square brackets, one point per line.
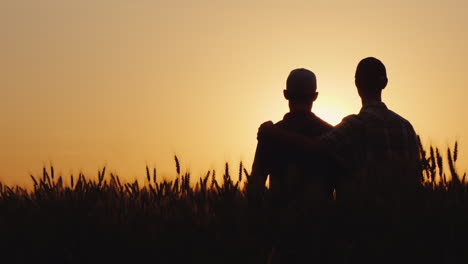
[128, 83]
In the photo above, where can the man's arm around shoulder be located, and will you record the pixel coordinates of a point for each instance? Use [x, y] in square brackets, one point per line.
[270, 133]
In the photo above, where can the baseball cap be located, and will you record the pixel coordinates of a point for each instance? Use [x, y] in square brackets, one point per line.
[301, 82]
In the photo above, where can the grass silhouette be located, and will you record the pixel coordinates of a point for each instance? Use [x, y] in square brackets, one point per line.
[107, 220]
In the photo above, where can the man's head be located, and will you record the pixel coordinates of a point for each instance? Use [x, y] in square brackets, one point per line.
[301, 90]
[371, 77]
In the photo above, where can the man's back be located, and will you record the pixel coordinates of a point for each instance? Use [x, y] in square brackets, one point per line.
[292, 172]
[379, 147]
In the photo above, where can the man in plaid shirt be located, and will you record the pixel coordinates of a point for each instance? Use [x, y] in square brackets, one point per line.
[377, 147]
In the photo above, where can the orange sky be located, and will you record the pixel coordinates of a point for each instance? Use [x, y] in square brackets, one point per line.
[129, 83]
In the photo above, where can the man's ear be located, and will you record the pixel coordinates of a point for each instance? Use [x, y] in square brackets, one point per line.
[286, 94]
[315, 96]
[384, 83]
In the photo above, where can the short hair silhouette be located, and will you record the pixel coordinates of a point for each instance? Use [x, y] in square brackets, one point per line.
[371, 75]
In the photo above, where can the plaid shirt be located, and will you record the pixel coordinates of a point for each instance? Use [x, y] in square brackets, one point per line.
[377, 146]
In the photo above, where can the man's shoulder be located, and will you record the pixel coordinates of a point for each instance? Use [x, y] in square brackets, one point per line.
[351, 120]
[349, 125]
[398, 116]
[381, 115]
[401, 119]
[308, 124]
[323, 123]
[280, 123]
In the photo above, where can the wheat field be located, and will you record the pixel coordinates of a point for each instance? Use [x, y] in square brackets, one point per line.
[211, 220]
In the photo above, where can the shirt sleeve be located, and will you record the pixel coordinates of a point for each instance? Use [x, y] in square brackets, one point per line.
[260, 166]
[344, 142]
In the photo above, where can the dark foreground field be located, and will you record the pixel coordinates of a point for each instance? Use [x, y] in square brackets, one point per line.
[103, 220]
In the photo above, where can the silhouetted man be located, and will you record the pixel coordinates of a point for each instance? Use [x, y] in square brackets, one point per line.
[377, 146]
[296, 177]
[290, 170]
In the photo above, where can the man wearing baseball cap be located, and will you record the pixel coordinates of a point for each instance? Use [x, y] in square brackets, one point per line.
[287, 168]
[298, 180]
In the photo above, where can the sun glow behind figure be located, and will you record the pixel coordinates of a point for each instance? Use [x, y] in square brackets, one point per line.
[333, 110]
[332, 116]
[87, 83]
